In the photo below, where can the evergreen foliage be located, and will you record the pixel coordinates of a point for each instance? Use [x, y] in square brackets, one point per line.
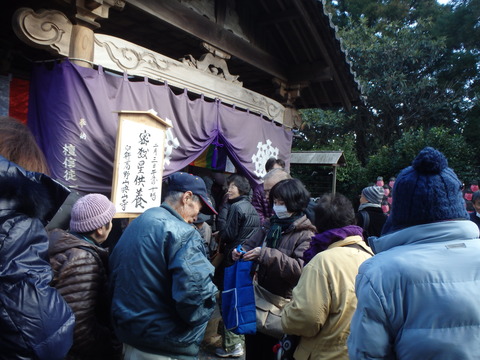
[418, 64]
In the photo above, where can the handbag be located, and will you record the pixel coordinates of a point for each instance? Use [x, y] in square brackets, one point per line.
[268, 311]
[287, 346]
[238, 301]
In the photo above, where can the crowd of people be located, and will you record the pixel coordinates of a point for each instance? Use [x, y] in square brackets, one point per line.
[356, 284]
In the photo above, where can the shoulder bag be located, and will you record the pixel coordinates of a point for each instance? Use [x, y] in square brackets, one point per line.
[268, 310]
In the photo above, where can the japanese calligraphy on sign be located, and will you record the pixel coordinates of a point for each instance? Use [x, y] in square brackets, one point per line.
[139, 155]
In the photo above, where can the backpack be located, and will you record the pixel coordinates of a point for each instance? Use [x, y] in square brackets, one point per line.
[366, 219]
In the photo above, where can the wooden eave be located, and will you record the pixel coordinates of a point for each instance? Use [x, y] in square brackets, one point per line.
[323, 158]
[291, 41]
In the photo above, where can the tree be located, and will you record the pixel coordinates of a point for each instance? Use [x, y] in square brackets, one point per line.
[414, 67]
[329, 131]
[418, 63]
[389, 161]
[461, 28]
[397, 68]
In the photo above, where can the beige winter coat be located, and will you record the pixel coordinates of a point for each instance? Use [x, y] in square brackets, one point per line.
[324, 301]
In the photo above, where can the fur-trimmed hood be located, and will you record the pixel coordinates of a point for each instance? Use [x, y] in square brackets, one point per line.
[33, 194]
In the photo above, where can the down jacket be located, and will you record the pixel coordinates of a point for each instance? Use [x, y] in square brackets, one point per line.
[35, 321]
[163, 294]
[80, 276]
[279, 269]
[418, 296]
[261, 204]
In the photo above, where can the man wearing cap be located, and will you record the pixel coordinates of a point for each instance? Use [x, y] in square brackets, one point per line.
[418, 296]
[370, 215]
[80, 265]
[161, 279]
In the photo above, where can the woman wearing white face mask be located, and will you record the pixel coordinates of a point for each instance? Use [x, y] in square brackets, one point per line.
[278, 251]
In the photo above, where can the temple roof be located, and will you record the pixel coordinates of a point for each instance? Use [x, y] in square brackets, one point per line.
[277, 47]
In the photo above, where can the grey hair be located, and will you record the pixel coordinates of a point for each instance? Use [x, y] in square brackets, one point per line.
[279, 174]
[174, 197]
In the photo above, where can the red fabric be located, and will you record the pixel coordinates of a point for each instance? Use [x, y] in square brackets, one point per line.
[18, 107]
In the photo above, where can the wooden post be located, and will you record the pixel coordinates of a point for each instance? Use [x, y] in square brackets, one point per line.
[334, 180]
[55, 32]
[81, 45]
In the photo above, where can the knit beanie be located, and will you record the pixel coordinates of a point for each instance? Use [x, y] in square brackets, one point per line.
[91, 212]
[374, 194]
[426, 192]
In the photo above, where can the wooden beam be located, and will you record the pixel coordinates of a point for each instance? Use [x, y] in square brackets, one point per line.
[220, 11]
[279, 18]
[125, 57]
[315, 72]
[178, 15]
[319, 41]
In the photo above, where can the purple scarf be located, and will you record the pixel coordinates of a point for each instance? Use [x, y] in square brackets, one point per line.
[322, 241]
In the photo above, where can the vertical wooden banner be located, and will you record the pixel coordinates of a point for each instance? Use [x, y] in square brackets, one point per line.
[138, 168]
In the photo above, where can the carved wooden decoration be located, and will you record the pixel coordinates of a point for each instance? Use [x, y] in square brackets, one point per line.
[213, 62]
[87, 11]
[46, 29]
[52, 30]
[118, 54]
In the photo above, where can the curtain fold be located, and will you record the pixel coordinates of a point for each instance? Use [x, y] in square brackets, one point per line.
[72, 113]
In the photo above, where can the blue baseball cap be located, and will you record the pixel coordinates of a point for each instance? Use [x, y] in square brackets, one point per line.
[182, 181]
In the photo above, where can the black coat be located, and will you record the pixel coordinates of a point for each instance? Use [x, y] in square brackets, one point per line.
[241, 222]
[376, 220]
[475, 218]
[238, 221]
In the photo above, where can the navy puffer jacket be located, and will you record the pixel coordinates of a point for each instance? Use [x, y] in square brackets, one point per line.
[35, 321]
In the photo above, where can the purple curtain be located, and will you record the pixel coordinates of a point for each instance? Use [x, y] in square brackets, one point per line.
[72, 112]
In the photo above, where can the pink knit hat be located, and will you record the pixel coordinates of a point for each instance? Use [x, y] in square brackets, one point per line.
[91, 212]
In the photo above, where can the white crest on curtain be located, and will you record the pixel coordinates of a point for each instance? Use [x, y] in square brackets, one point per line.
[171, 144]
[264, 152]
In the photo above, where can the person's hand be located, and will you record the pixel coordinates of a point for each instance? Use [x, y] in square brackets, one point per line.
[236, 255]
[252, 254]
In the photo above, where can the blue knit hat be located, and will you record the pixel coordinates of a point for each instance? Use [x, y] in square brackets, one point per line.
[426, 192]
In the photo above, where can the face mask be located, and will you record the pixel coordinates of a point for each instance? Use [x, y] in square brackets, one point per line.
[281, 211]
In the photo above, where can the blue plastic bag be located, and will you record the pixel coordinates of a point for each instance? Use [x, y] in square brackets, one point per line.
[238, 300]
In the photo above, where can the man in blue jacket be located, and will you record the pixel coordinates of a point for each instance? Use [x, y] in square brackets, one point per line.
[161, 279]
[418, 296]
